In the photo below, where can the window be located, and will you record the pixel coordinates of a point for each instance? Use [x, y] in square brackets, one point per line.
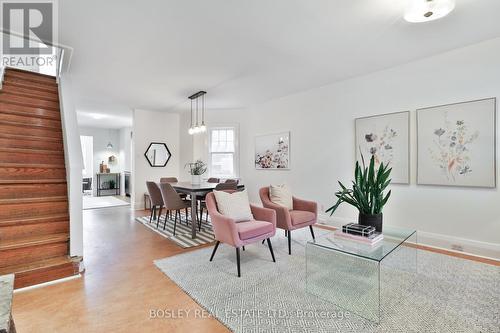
[223, 152]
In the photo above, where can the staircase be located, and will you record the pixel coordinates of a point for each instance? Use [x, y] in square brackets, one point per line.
[34, 216]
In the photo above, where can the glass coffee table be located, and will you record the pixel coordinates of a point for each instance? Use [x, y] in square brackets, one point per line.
[356, 276]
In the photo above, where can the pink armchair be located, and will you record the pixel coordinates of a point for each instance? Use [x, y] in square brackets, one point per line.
[242, 233]
[304, 213]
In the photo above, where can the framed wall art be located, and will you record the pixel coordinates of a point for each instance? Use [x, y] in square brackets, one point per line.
[457, 144]
[387, 138]
[272, 151]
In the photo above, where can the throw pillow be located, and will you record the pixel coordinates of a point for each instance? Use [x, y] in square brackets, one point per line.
[281, 195]
[234, 205]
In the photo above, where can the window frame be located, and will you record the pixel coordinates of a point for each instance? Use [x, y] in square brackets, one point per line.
[236, 153]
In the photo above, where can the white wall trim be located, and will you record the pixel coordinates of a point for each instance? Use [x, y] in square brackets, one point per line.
[439, 241]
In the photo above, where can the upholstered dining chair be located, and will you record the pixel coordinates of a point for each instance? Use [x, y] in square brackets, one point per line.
[173, 202]
[304, 214]
[232, 181]
[169, 180]
[172, 180]
[227, 231]
[218, 187]
[156, 201]
[213, 180]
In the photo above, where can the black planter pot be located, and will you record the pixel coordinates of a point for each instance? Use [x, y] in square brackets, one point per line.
[371, 220]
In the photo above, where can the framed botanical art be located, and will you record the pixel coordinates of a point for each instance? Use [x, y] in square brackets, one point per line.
[272, 151]
[387, 138]
[456, 144]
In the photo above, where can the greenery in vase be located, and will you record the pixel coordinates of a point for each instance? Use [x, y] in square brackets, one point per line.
[367, 192]
[197, 168]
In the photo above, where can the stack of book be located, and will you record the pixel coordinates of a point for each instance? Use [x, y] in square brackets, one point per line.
[361, 233]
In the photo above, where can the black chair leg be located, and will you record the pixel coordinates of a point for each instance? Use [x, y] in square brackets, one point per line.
[215, 250]
[312, 231]
[238, 260]
[151, 215]
[175, 221]
[243, 248]
[271, 249]
[286, 233]
[159, 215]
[186, 216]
[263, 241]
[289, 233]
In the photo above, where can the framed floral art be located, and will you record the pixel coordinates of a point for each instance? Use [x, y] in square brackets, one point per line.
[272, 151]
[456, 144]
[386, 137]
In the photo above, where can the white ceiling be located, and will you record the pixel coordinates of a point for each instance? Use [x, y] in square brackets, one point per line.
[153, 54]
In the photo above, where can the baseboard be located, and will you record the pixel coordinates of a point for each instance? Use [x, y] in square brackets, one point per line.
[439, 241]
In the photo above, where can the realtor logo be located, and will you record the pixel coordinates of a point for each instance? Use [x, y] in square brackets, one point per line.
[28, 27]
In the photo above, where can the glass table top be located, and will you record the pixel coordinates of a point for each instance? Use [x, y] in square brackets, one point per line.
[393, 237]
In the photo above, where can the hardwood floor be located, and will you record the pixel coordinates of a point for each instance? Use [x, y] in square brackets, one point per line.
[119, 288]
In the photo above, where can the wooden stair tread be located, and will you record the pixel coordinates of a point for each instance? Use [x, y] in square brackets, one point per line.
[14, 123]
[29, 92]
[33, 241]
[36, 220]
[30, 137]
[31, 165]
[31, 151]
[33, 200]
[45, 263]
[31, 76]
[24, 71]
[32, 181]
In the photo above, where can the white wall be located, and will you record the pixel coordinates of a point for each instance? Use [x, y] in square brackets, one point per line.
[101, 153]
[125, 155]
[151, 126]
[322, 143]
[74, 165]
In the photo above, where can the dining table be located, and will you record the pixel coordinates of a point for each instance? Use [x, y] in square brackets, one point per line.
[196, 191]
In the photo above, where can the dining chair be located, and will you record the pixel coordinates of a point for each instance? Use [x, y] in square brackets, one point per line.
[156, 201]
[172, 180]
[218, 187]
[213, 180]
[304, 214]
[227, 231]
[232, 181]
[173, 202]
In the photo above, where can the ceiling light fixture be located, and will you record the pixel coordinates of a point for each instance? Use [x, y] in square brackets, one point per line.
[428, 10]
[198, 128]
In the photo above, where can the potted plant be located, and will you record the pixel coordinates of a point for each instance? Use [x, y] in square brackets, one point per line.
[367, 193]
[196, 169]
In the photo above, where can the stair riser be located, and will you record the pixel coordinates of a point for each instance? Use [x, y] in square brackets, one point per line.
[28, 210]
[28, 230]
[31, 121]
[11, 173]
[31, 144]
[33, 158]
[27, 131]
[21, 191]
[33, 93]
[32, 253]
[22, 83]
[29, 111]
[27, 101]
[45, 275]
[31, 77]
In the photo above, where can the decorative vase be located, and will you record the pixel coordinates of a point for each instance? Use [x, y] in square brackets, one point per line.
[371, 220]
[195, 179]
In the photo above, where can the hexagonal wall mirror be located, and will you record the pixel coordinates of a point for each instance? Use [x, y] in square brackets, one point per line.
[157, 154]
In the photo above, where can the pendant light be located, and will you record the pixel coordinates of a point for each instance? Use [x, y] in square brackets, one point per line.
[191, 130]
[203, 128]
[196, 128]
[428, 10]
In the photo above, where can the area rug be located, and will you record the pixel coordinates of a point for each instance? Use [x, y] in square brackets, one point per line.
[182, 230]
[103, 202]
[447, 294]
